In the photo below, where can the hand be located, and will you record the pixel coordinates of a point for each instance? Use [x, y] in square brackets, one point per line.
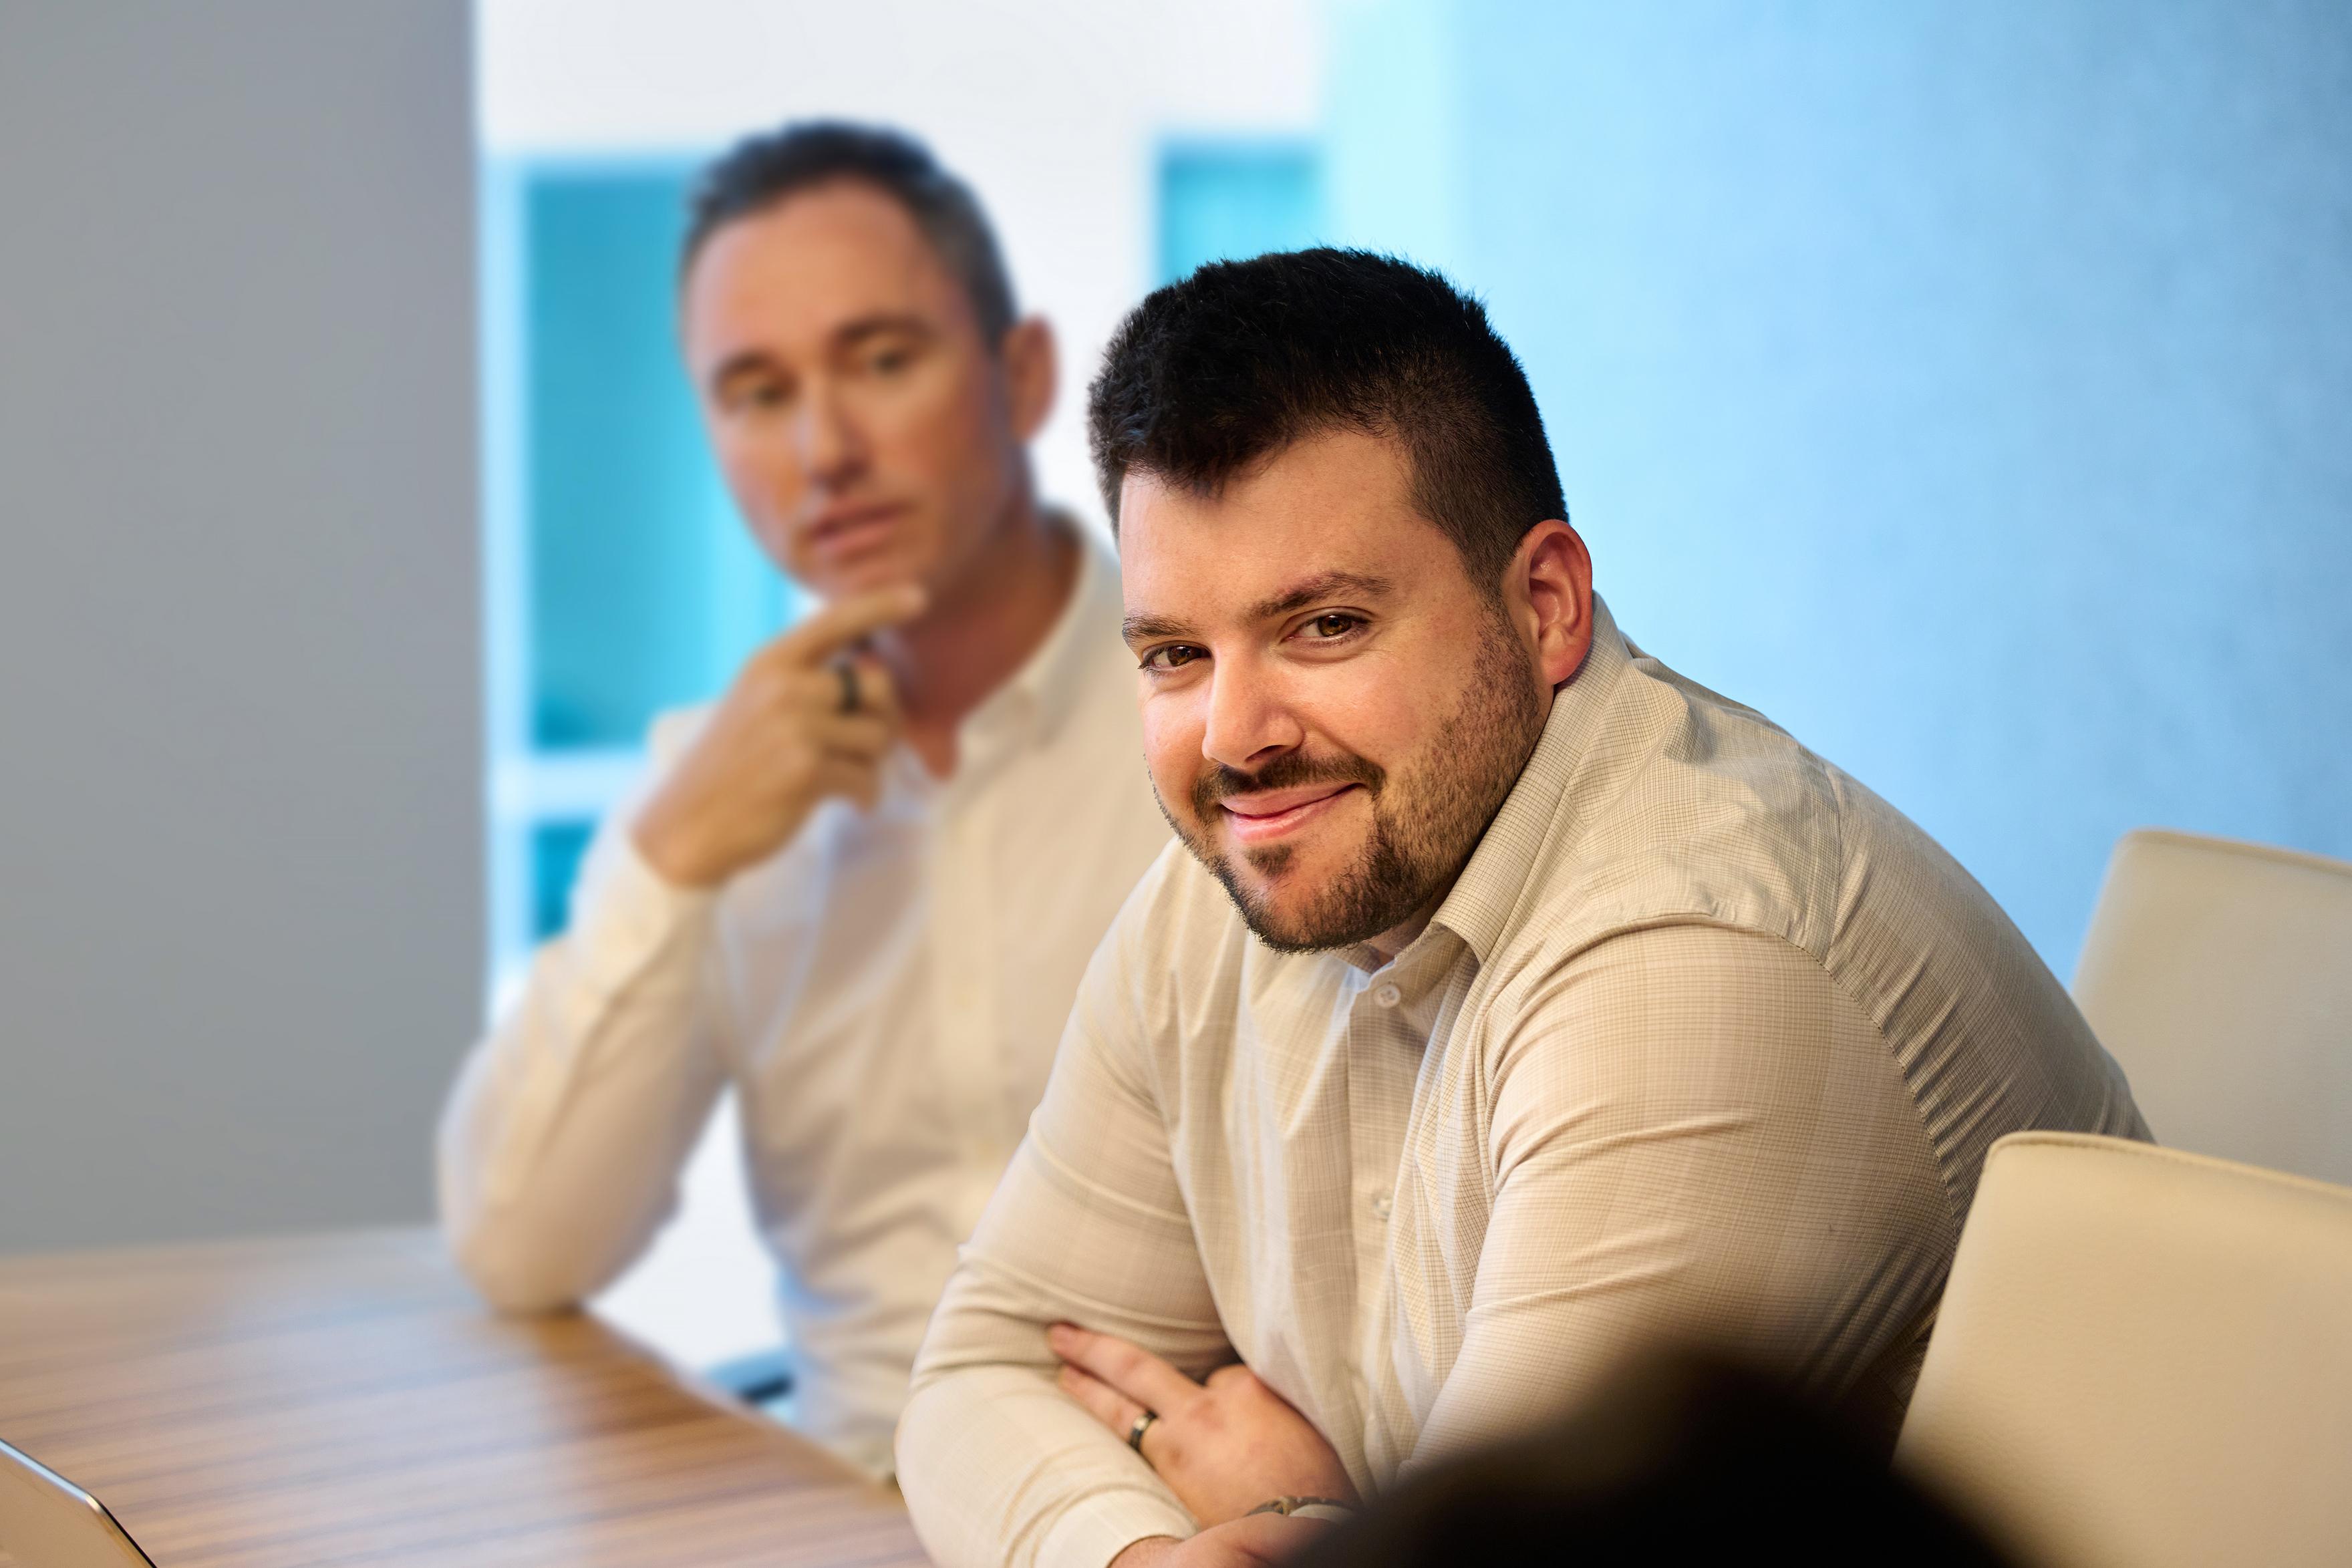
[778, 743]
[1250, 1542]
[1222, 1448]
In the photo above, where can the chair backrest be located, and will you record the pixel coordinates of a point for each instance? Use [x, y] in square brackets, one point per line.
[2219, 974]
[2144, 1357]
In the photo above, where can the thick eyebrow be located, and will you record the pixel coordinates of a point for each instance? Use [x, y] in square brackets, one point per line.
[1137, 628]
[848, 335]
[1324, 585]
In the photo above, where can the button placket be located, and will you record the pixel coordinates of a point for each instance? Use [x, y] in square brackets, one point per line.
[1380, 1074]
[961, 944]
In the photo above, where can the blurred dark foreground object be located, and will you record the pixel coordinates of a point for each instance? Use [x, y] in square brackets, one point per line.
[1677, 1458]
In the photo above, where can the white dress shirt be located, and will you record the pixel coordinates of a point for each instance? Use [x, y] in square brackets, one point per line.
[1706, 1042]
[886, 993]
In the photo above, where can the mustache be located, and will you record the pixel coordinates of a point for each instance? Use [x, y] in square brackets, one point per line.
[1285, 772]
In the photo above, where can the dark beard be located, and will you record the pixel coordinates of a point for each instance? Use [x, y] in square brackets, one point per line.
[1425, 824]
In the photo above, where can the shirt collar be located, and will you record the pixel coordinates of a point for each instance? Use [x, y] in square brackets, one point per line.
[1049, 683]
[1492, 883]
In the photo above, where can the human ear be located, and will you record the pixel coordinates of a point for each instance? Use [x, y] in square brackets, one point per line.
[1550, 586]
[1029, 374]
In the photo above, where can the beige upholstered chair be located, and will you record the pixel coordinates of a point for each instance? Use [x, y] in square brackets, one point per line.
[2144, 1357]
[2220, 975]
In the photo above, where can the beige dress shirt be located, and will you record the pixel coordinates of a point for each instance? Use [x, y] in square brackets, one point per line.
[1706, 1041]
[884, 994]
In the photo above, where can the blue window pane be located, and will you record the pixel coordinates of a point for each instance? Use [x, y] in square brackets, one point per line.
[644, 591]
[1228, 200]
[556, 850]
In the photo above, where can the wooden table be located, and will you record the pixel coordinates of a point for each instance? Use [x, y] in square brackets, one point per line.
[344, 1399]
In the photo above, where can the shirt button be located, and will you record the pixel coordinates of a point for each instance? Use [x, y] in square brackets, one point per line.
[1387, 994]
[1381, 1206]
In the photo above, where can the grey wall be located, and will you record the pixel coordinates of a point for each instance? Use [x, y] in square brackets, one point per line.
[239, 727]
[1967, 383]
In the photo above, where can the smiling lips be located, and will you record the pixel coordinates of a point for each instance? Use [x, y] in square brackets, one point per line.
[1261, 818]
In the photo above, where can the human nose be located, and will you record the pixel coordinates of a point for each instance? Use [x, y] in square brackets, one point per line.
[830, 448]
[1249, 724]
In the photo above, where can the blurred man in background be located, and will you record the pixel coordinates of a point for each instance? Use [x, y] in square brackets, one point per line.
[863, 885]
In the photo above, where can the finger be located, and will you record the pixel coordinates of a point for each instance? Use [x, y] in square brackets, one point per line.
[845, 620]
[1129, 1368]
[853, 692]
[1231, 1372]
[1104, 1403]
[776, 689]
[876, 692]
[817, 696]
[861, 738]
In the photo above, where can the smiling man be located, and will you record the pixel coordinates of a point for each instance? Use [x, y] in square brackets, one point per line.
[861, 887]
[1511, 1003]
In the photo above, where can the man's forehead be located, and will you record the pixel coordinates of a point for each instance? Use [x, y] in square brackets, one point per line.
[1334, 490]
[1341, 470]
[816, 263]
[1337, 527]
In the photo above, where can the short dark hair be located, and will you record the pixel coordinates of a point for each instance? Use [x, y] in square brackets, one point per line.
[1209, 375]
[760, 171]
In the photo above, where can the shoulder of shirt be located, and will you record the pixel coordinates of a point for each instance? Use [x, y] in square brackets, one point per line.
[1687, 808]
[1690, 807]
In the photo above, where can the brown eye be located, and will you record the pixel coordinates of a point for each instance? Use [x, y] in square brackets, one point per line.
[1326, 627]
[755, 394]
[1171, 657]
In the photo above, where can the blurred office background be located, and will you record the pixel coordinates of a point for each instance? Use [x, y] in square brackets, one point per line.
[1964, 382]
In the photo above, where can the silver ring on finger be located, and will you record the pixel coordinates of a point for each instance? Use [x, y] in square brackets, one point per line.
[849, 695]
[1142, 1425]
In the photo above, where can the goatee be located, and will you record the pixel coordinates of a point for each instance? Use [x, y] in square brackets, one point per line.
[1427, 819]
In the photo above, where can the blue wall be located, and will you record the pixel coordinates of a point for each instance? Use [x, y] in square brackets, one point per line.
[1231, 198]
[1966, 383]
[645, 590]
[622, 578]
